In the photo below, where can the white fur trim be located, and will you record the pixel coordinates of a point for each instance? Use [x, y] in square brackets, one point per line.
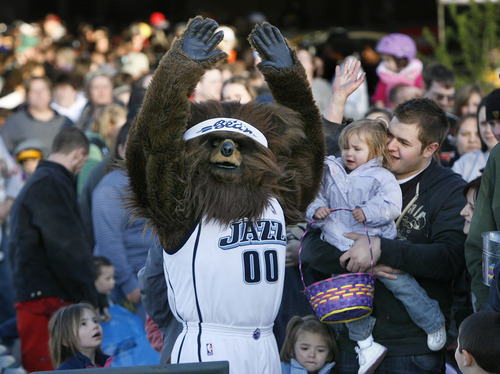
[225, 124]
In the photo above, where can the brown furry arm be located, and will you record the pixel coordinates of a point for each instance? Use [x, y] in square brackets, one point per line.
[289, 87]
[155, 146]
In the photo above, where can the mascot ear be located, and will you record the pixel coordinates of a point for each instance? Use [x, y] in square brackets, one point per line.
[200, 41]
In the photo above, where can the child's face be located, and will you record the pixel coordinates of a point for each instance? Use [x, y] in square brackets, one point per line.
[311, 351]
[29, 165]
[105, 282]
[89, 333]
[355, 152]
[390, 63]
[468, 211]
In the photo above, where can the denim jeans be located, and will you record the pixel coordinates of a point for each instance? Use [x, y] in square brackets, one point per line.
[423, 310]
[432, 363]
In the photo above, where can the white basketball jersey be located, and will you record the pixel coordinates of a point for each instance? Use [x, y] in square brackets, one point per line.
[225, 285]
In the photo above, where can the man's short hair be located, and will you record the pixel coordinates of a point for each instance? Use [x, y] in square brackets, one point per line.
[430, 119]
[27, 83]
[479, 335]
[69, 139]
[91, 75]
[440, 74]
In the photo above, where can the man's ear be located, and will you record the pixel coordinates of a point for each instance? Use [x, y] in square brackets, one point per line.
[80, 152]
[430, 149]
[467, 358]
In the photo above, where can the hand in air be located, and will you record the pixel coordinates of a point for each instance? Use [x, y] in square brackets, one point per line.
[348, 81]
[271, 46]
[200, 41]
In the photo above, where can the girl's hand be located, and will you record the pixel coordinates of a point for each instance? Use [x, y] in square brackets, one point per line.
[322, 212]
[134, 296]
[358, 215]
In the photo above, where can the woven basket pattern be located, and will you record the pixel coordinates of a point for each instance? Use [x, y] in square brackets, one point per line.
[343, 298]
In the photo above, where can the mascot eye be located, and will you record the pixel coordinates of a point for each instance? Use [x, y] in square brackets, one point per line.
[215, 142]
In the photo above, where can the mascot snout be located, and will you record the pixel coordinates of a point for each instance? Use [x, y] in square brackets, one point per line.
[227, 149]
[226, 155]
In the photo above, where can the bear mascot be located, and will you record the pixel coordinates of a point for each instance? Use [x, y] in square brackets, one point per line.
[217, 182]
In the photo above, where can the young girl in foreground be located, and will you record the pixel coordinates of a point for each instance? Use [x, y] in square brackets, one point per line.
[369, 194]
[309, 347]
[76, 337]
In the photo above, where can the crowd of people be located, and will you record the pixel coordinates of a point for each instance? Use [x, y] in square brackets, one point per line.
[411, 161]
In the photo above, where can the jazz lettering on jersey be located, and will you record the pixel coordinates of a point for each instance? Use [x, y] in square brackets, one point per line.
[248, 232]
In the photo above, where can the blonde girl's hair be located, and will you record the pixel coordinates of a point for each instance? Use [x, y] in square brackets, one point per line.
[374, 132]
[111, 116]
[312, 324]
[63, 332]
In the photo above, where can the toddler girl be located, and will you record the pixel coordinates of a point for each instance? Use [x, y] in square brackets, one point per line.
[76, 337]
[309, 347]
[398, 66]
[358, 182]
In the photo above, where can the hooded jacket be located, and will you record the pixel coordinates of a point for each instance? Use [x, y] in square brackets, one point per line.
[369, 187]
[48, 251]
[485, 218]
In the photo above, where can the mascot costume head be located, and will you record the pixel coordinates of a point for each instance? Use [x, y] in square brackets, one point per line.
[198, 169]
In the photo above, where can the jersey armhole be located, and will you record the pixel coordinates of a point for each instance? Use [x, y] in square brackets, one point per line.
[172, 251]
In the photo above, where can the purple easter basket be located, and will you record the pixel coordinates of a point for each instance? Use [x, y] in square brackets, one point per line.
[343, 298]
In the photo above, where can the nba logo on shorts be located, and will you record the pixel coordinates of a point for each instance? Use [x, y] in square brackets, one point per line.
[210, 351]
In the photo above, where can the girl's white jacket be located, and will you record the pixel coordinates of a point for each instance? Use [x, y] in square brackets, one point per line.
[370, 187]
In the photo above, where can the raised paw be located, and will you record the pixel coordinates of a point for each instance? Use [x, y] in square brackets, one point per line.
[200, 40]
[271, 46]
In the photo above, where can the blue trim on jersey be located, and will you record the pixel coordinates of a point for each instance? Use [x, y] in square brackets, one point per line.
[180, 348]
[172, 251]
[195, 249]
[173, 293]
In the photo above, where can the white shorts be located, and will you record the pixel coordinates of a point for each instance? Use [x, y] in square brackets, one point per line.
[248, 350]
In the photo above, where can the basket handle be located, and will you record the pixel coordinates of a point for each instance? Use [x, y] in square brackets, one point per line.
[307, 229]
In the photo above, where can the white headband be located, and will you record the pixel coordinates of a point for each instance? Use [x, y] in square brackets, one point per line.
[225, 124]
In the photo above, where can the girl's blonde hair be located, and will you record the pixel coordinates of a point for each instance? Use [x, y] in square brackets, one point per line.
[112, 115]
[374, 132]
[312, 324]
[63, 332]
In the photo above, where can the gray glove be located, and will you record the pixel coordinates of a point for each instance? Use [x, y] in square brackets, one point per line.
[199, 40]
[271, 46]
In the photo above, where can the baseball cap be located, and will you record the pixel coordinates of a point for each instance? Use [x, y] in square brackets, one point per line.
[135, 63]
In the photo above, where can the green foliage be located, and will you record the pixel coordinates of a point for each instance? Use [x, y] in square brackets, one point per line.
[475, 33]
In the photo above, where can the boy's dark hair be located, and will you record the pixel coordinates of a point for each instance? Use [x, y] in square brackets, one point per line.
[479, 335]
[62, 78]
[99, 263]
[69, 139]
[430, 119]
[474, 184]
[440, 74]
